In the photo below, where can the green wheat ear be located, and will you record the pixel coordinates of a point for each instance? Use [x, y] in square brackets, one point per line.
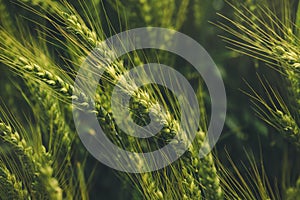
[268, 36]
[35, 171]
[293, 192]
[11, 187]
[274, 111]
